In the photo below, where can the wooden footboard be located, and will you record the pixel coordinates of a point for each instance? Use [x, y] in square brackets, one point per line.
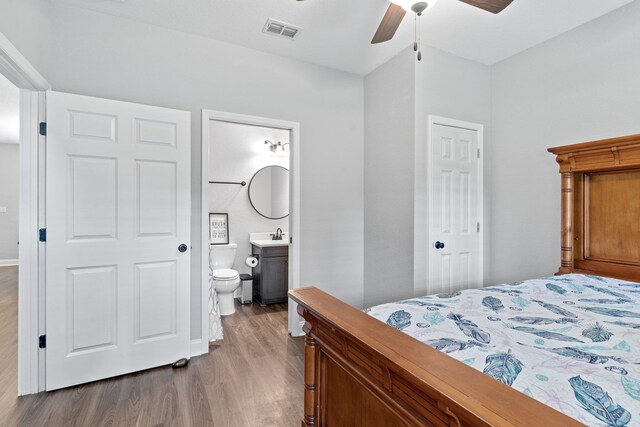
[362, 372]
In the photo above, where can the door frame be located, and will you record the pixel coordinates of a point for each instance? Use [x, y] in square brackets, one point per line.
[294, 211]
[479, 128]
[17, 69]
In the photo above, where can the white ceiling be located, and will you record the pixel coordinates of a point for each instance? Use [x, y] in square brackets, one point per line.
[9, 112]
[337, 33]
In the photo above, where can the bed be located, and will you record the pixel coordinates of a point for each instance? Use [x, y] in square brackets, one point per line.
[557, 351]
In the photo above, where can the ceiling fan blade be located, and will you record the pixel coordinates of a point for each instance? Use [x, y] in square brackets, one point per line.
[493, 6]
[390, 23]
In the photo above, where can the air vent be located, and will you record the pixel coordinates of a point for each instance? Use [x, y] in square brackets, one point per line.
[280, 29]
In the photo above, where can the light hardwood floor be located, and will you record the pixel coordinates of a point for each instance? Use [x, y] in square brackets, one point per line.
[253, 378]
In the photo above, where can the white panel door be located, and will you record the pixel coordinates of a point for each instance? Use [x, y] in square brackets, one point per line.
[118, 207]
[455, 252]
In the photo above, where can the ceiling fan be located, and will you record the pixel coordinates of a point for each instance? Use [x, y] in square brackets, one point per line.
[398, 8]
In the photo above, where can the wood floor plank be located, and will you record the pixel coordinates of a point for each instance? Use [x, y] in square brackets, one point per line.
[252, 377]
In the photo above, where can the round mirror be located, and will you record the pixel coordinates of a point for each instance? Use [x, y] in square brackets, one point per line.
[269, 192]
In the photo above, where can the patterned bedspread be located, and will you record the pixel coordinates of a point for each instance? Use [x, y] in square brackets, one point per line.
[572, 342]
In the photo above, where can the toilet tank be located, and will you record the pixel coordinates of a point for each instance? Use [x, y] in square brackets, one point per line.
[222, 256]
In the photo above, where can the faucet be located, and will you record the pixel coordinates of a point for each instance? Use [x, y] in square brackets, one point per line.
[278, 235]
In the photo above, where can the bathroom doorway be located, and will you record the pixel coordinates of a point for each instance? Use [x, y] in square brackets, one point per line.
[9, 171]
[9, 228]
[250, 206]
[22, 95]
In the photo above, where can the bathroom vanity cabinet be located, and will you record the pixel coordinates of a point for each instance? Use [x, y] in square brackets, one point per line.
[271, 275]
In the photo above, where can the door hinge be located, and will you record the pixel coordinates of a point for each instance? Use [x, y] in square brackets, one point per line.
[42, 341]
[478, 153]
[42, 235]
[43, 128]
[290, 240]
[478, 227]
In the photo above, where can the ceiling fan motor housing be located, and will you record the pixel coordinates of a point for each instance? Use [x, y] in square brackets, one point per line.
[419, 7]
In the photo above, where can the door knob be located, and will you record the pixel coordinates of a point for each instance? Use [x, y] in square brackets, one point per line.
[182, 248]
[439, 245]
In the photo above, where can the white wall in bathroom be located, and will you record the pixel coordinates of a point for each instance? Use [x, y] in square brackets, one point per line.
[236, 152]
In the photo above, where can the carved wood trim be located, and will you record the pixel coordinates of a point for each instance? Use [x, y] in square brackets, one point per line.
[566, 264]
[606, 154]
[310, 357]
[454, 421]
[309, 382]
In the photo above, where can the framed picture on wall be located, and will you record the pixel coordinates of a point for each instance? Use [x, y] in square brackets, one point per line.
[218, 229]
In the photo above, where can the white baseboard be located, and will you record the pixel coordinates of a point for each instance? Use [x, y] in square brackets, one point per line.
[6, 262]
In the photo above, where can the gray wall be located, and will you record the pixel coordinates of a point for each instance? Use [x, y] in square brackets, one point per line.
[79, 51]
[578, 87]
[9, 190]
[399, 97]
[388, 180]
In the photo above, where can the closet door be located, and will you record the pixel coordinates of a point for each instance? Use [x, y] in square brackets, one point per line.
[455, 253]
[118, 229]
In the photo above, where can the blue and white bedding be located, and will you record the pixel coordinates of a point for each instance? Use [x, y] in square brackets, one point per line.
[571, 342]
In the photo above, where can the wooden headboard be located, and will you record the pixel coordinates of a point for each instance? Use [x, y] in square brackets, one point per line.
[601, 207]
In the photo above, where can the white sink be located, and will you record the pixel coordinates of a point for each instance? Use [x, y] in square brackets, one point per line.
[264, 240]
[269, 243]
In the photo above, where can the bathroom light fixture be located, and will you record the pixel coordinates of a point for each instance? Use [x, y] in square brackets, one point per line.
[273, 146]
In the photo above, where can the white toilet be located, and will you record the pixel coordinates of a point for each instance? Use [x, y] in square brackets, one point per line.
[225, 280]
